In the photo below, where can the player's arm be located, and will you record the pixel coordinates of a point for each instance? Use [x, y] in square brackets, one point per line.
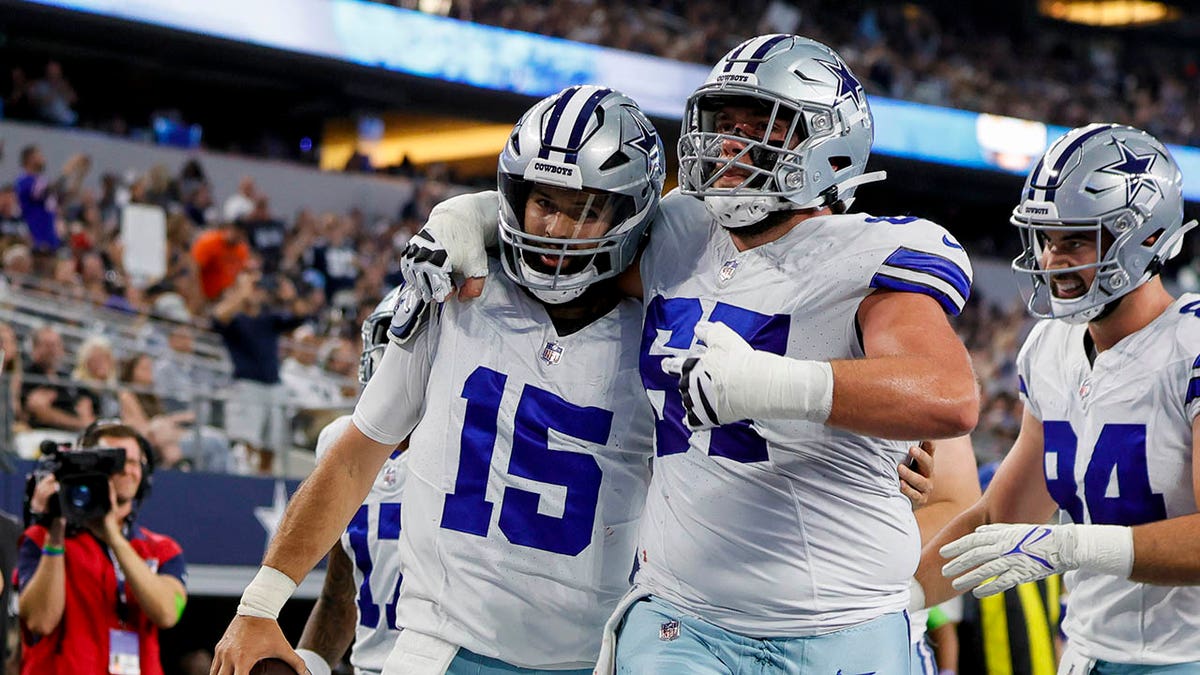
[454, 239]
[1017, 494]
[915, 382]
[1168, 552]
[43, 596]
[955, 487]
[329, 630]
[386, 413]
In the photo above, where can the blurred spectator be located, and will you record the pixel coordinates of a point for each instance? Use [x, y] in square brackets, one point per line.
[198, 206]
[47, 398]
[241, 202]
[96, 367]
[335, 258]
[17, 261]
[221, 254]
[10, 372]
[251, 328]
[12, 225]
[52, 97]
[176, 378]
[265, 233]
[17, 104]
[39, 198]
[308, 385]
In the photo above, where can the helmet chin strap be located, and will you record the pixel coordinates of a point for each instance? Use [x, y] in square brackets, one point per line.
[734, 212]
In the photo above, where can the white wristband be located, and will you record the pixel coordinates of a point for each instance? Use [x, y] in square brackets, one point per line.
[313, 661]
[778, 387]
[266, 594]
[1107, 549]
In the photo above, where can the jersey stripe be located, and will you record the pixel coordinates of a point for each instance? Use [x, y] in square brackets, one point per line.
[1193, 391]
[934, 265]
[951, 302]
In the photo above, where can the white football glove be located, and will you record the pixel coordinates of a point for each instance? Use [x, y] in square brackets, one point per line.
[1016, 554]
[728, 380]
[454, 240]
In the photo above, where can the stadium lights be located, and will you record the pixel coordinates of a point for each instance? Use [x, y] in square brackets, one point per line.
[1109, 13]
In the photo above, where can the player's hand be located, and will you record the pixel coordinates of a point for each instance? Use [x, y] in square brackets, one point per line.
[248, 640]
[453, 240]
[705, 374]
[916, 474]
[1013, 554]
[426, 267]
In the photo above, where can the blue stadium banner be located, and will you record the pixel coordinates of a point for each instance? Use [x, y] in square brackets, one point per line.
[424, 45]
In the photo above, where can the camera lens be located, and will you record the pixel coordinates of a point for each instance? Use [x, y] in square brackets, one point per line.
[79, 496]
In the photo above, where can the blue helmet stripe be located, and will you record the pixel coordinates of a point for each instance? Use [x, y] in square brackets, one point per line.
[762, 51]
[581, 123]
[552, 124]
[737, 52]
[1066, 153]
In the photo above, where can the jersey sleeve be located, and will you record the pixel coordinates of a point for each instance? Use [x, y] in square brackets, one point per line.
[919, 256]
[1191, 400]
[1025, 370]
[678, 236]
[393, 399]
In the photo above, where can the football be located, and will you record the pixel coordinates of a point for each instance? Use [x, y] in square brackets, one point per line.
[272, 667]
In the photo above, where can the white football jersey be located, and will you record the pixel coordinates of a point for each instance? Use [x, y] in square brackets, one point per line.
[527, 474]
[778, 527]
[1118, 451]
[371, 541]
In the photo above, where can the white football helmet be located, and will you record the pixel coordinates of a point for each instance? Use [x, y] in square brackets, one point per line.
[1102, 179]
[808, 89]
[598, 145]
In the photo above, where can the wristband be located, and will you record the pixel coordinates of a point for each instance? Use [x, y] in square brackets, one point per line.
[1107, 549]
[53, 550]
[313, 661]
[266, 594]
[778, 387]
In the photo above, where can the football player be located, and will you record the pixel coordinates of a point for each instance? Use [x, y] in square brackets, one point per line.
[787, 348]
[530, 446]
[362, 579]
[1111, 383]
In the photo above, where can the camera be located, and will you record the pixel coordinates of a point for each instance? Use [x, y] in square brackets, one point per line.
[82, 476]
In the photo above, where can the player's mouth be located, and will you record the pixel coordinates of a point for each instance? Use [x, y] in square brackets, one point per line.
[1067, 286]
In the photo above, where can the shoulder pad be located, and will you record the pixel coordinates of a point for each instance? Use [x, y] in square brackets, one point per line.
[408, 315]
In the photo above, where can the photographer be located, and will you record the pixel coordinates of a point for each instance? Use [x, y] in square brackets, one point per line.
[92, 597]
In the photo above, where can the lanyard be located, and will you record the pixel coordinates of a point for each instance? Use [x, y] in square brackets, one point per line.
[122, 603]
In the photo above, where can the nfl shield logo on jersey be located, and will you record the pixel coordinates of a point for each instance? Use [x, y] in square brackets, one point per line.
[551, 353]
[389, 475]
[668, 631]
[728, 270]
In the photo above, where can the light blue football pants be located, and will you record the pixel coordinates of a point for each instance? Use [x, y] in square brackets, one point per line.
[658, 639]
[469, 663]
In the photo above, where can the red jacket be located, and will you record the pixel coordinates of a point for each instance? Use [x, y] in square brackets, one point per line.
[80, 643]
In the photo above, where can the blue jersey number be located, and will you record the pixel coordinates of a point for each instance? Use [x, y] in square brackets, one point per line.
[388, 527]
[677, 318]
[538, 413]
[1121, 448]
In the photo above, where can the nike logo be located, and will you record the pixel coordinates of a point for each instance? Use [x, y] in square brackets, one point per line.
[950, 242]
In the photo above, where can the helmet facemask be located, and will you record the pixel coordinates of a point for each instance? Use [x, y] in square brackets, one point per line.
[556, 242]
